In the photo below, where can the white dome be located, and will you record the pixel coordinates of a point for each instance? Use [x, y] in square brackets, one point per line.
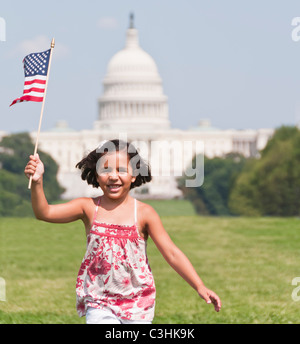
[133, 95]
[131, 62]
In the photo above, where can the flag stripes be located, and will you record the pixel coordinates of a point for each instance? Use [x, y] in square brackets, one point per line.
[35, 70]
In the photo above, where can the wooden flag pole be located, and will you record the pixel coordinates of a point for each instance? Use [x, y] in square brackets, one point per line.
[43, 104]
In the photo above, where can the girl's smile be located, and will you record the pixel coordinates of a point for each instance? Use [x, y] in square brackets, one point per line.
[114, 187]
[115, 174]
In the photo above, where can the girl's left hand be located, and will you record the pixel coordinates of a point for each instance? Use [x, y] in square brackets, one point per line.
[210, 297]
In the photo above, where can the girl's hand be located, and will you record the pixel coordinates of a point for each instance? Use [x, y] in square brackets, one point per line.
[34, 168]
[210, 297]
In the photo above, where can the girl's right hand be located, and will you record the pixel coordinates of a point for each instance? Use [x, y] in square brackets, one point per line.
[34, 168]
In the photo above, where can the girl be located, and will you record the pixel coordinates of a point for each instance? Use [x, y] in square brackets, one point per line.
[115, 283]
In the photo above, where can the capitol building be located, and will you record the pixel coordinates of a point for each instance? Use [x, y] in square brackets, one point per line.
[133, 107]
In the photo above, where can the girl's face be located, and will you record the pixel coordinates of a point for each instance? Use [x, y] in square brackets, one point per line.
[115, 174]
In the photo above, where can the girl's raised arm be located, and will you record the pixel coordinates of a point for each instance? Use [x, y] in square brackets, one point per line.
[175, 257]
[59, 213]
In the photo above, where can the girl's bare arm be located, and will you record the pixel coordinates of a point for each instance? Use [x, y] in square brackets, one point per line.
[176, 258]
[59, 213]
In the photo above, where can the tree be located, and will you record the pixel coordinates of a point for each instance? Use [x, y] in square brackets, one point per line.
[211, 198]
[271, 185]
[14, 194]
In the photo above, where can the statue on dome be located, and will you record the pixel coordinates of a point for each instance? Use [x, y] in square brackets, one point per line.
[131, 23]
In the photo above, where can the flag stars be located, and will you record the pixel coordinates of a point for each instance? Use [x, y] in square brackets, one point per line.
[35, 70]
[36, 63]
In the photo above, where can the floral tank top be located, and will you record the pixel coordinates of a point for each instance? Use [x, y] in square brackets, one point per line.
[115, 273]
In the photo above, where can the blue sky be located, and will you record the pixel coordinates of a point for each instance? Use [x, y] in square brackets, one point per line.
[233, 62]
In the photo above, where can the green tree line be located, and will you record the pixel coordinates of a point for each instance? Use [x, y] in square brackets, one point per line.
[264, 186]
[233, 185]
[15, 197]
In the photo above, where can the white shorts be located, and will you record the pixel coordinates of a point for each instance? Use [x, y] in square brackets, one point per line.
[103, 316]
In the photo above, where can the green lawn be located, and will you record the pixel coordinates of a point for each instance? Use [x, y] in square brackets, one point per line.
[249, 262]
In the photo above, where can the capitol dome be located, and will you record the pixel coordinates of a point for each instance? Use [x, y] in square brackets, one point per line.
[133, 95]
[132, 61]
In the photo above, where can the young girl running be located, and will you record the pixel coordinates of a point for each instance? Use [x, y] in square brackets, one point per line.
[115, 283]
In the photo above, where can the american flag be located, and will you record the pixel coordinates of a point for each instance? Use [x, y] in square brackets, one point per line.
[35, 70]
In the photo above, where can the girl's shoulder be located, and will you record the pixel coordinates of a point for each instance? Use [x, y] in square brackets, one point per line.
[86, 200]
[144, 206]
[87, 204]
[148, 218]
[145, 210]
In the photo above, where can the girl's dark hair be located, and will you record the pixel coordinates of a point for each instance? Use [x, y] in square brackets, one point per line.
[88, 165]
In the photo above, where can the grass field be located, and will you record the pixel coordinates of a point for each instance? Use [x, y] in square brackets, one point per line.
[249, 262]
